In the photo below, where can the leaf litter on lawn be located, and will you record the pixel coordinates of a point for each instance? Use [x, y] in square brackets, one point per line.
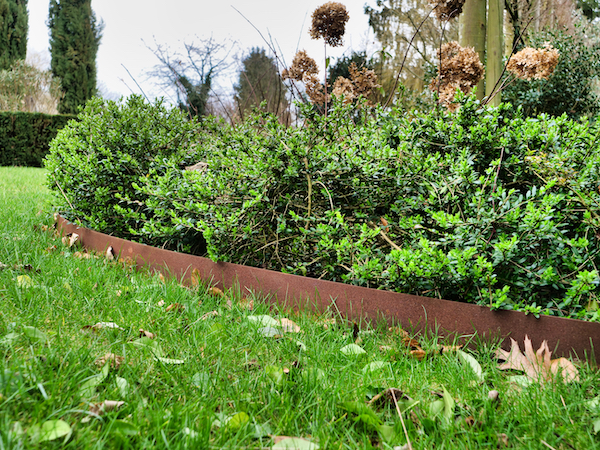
[537, 365]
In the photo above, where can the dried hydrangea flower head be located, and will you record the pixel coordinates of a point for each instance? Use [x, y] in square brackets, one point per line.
[329, 23]
[447, 9]
[460, 68]
[314, 89]
[362, 83]
[533, 63]
[301, 65]
[343, 88]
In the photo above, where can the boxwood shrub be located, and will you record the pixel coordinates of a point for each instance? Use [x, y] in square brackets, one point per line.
[482, 205]
[94, 161]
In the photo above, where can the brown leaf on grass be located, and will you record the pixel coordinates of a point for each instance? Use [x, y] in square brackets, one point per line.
[110, 254]
[216, 291]
[83, 255]
[288, 326]
[161, 303]
[115, 360]
[101, 325]
[70, 239]
[105, 406]
[149, 335]
[195, 279]
[448, 348]
[418, 354]
[537, 365]
[175, 307]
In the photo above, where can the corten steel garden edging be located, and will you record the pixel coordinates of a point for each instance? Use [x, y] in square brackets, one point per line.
[565, 336]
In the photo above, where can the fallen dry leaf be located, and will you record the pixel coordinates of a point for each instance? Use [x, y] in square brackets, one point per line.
[448, 348]
[102, 325]
[288, 326]
[70, 239]
[83, 255]
[147, 334]
[537, 365]
[115, 360]
[176, 307]
[418, 354]
[195, 279]
[110, 254]
[160, 303]
[106, 405]
[216, 291]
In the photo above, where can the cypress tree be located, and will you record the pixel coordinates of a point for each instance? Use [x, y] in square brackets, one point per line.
[74, 40]
[259, 81]
[14, 21]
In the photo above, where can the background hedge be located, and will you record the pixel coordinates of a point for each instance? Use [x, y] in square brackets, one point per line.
[25, 137]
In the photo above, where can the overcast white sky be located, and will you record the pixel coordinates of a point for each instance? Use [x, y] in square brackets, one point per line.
[130, 23]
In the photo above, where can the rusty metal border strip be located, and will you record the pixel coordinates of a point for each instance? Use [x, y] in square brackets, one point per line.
[565, 336]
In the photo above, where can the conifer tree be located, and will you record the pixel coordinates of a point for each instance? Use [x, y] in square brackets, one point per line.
[74, 40]
[13, 32]
[259, 81]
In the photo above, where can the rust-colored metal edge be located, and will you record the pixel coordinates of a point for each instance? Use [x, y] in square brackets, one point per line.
[566, 337]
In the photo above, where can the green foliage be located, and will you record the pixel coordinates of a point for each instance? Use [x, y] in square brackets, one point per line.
[74, 40]
[482, 206]
[25, 137]
[259, 81]
[14, 20]
[571, 89]
[94, 161]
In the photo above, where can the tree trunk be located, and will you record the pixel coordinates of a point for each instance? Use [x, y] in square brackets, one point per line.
[472, 31]
[495, 48]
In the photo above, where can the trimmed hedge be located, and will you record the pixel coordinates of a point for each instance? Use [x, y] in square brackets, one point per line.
[25, 137]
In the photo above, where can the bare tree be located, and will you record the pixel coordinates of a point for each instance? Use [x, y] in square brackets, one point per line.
[190, 73]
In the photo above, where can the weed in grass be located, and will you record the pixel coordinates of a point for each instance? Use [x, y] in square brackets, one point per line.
[215, 373]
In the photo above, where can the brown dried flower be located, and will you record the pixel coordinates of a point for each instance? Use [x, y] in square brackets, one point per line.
[314, 89]
[329, 22]
[533, 63]
[362, 83]
[301, 65]
[364, 80]
[447, 9]
[460, 68]
[343, 87]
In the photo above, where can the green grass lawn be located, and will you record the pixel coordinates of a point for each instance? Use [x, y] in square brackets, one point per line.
[219, 375]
